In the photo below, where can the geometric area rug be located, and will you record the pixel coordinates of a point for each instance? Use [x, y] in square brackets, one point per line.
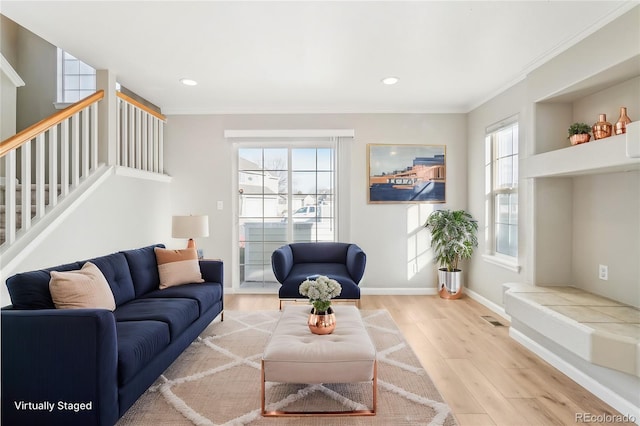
[216, 381]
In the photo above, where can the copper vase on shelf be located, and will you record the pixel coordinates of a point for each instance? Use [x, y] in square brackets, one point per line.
[322, 322]
[621, 125]
[602, 129]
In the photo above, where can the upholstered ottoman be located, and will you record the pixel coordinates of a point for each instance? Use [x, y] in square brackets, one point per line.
[295, 355]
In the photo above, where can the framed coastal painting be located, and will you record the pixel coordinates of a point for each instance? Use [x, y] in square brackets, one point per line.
[406, 173]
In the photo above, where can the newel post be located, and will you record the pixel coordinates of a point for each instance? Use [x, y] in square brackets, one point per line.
[107, 117]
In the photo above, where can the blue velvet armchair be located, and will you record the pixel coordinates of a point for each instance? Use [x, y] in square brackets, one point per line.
[294, 263]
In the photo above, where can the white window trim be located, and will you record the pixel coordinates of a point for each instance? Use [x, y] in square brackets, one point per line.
[503, 261]
[59, 104]
[510, 263]
[288, 133]
[248, 138]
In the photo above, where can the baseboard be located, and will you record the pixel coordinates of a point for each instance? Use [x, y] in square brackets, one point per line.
[231, 290]
[604, 393]
[488, 304]
[381, 291]
[365, 291]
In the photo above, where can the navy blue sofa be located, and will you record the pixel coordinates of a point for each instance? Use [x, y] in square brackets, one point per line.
[88, 366]
[293, 263]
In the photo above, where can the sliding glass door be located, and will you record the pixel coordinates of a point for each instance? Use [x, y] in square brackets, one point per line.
[286, 193]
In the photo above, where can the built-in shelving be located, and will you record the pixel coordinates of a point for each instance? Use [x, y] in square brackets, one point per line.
[612, 154]
[569, 183]
[583, 203]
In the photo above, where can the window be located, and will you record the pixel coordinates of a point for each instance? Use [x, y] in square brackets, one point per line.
[76, 80]
[286, 193]
[501, 183]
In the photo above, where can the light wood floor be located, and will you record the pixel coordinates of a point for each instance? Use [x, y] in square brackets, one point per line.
[485, 376]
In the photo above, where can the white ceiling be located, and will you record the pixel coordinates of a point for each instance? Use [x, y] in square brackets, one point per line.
[321, 56]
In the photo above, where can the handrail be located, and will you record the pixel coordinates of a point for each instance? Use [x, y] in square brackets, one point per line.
[141, 106]
[41, 126]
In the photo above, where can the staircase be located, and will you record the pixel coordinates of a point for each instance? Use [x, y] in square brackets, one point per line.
[62, 152]
[20, 214]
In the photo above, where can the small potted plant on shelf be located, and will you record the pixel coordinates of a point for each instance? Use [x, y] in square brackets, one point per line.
[453, 238]
[579, 133]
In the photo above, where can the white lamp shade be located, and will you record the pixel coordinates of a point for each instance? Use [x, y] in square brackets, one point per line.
[190, 226]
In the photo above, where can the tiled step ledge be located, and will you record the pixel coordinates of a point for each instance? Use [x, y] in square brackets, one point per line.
[598, 330]
[556, 333]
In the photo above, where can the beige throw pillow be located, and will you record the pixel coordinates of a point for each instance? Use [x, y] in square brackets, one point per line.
[86, 288]
[178, 267]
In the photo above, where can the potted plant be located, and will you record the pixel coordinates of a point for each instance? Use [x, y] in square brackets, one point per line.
[453, 238]
[320, 290]
[579, 133]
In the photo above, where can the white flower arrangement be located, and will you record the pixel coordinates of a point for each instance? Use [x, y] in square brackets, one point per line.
[320, 291]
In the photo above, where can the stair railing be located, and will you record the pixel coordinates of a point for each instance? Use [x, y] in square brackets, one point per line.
[139, 134]
[48, 159]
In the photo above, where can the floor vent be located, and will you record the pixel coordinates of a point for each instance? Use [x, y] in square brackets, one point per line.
[491, 320]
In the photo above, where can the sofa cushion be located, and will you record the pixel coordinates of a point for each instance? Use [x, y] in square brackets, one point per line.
[78, 289]
[206, 294]
[138, 343]
[177, 267]
[337, 271]
[116, 270]
[178, 313]
[144, 269]
[30, 290]
[323, 252]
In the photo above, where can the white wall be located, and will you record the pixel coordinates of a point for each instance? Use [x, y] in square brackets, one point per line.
[606, 221]
[37, 65]
[7, 107]
[199, 159]
[486, 278]
[122, 213]
[8, 90]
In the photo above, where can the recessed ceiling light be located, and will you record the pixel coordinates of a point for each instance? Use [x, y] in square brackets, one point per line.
[390, 80]
[188, 82]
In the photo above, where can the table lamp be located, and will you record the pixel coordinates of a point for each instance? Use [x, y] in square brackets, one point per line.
[190, 227]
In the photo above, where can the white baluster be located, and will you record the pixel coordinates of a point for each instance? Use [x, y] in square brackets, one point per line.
[150, 120]
[138, 164]
[53, 166]
[94, 136]
[132, 137]
[125, 134]
[84, 139]
[25, 178]
[10, 197]
[160, 147]
[118, 129]
[144, 141]
[40, 175]
[64, 158]
[155, 146]
[75, 151]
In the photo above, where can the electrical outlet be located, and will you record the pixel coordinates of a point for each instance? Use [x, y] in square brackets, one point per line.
[603, 272]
